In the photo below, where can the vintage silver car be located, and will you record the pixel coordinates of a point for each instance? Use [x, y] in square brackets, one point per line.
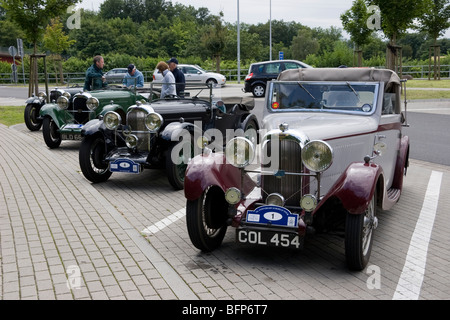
[331, 154]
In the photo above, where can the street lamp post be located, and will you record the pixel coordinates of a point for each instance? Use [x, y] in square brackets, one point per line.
[270, 31]
[238, 45]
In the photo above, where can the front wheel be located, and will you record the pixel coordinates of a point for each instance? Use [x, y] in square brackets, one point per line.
[50, 130]
[31, 115]
[92, 159]
[359, 236]
[259, 90]
[206, 219]
[177, 158]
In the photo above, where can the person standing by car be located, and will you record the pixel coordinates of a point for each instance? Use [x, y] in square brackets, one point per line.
[168, 83]
[133, 77]
[94, 75]
[179, 76]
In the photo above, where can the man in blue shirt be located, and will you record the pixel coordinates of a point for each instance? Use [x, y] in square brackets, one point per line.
[179, 76]
[133, 77]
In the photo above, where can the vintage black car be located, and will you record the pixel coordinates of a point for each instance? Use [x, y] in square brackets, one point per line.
[164, 133]
[34, 104]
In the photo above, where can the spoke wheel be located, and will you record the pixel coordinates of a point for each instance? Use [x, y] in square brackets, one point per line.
[206, 219]
[92, 159]
[359, 236]
[50, 130]
[31, 115]
[177, 161]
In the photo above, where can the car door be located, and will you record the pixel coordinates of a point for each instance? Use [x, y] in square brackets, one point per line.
[271, 70]
[192, 74]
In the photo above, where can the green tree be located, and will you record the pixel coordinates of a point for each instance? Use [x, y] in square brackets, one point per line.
[434, 22]
[397, 16]
[33, 15]
[354, 22]
[57, 42]
[304, 44]
[214, 40]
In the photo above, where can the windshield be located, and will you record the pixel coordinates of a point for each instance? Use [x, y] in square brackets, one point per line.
[320, 96]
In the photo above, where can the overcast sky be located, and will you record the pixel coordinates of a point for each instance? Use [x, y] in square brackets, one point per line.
[312, 13]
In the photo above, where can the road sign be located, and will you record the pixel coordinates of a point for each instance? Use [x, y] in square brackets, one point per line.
[280, 55]
[12, 51]
[20, 47]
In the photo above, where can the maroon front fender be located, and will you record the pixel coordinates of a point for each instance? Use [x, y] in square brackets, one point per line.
[213, 170]
[355, 187]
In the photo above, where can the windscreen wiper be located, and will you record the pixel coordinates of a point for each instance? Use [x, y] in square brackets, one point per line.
[301, 86]
[354, 91]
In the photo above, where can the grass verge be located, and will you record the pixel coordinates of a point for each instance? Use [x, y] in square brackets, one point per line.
[10, 115]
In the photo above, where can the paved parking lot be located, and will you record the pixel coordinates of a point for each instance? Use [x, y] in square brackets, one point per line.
[62, 237]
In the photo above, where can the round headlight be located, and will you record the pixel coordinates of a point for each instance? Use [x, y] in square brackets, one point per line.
[239, 152]
[153, 121]
[42, 95]
[317, 156]
[308, 202]
[131, 141]
[66, 94]
[63, 103]
[233, 195]
[275, 199]
[112, 120]
[92, 103]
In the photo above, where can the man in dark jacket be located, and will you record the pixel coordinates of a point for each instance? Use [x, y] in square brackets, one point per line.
[94, 75]
[179, 76]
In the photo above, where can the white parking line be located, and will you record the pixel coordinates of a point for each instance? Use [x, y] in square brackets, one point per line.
[158, 226]
[411, 278]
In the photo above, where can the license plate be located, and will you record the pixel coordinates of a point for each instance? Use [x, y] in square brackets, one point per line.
[124, 165]
[71, 137]
[269, 238]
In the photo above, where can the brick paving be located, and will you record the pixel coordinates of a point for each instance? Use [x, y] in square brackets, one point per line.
[62, 237]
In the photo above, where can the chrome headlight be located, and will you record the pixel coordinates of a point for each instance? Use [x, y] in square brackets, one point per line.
[92, 103]
[239, 152]
[63, 103]
[131, 141]
[233, 195]
[66, 94]
[308, 202]
[317, 156]
[275, 199]
[112, 120]
[42, 95]
[153, 121]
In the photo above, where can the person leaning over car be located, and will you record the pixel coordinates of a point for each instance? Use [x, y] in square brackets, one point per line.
[179, 76]
[94, 75]
[133, 77]
[168, 83]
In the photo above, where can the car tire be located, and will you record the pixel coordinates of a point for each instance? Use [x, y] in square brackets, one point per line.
[211, 81]
[251, 135]
[359, 236]
[175, 171]
[50, 130]
[259, 90]
[91, 157]
[31, 117]
[206, 219]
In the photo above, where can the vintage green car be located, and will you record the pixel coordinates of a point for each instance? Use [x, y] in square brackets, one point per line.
[64, 118]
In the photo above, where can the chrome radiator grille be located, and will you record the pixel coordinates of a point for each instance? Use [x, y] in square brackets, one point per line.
[80, 110]
[289, 160]
[136, 122]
